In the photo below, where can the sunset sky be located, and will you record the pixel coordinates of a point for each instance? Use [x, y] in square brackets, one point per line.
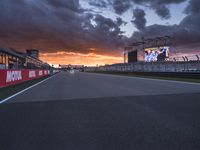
[94, 32]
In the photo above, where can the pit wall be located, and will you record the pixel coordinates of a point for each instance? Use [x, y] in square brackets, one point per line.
[150, 67]
[13, 76]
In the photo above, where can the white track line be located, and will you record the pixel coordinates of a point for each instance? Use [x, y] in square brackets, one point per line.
[151, 79]
[10, 97]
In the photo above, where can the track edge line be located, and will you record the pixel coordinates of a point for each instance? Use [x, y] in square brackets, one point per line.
[34, 85]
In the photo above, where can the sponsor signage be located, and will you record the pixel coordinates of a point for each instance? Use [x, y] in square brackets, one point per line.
[32, 74]
[11, 76]
[40, 72]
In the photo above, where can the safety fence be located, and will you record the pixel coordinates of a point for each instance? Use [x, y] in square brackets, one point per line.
[169, 66]
[11, 76]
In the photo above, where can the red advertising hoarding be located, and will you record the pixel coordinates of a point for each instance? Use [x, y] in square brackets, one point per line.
[11, 76]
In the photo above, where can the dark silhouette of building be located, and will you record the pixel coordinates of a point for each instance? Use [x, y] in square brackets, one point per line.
[13, 59]
[132, 56]
[33, 53]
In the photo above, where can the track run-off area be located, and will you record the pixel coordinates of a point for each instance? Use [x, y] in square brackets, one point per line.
[88, 111]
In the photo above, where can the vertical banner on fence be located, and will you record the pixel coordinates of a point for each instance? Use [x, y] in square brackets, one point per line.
[11, 76]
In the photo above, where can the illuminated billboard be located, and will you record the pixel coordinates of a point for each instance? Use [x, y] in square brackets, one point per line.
[157, 54]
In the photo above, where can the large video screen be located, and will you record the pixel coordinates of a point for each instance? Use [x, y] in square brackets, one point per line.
[157, 54]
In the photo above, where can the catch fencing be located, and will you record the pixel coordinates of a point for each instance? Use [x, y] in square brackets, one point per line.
[178, 64]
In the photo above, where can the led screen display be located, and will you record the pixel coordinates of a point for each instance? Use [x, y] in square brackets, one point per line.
[156, 54]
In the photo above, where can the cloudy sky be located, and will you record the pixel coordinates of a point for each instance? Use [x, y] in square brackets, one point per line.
[96, 31]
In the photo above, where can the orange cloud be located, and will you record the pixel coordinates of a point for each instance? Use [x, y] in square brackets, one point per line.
[89, 59]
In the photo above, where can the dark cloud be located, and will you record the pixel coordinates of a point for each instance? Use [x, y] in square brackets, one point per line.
[185, 35]
[106, 31]
[163, 11]
[121, 6]
[98, 3]
[54, 25]
[68, 4]
[193, 7]
[160, 6]
[139, 19]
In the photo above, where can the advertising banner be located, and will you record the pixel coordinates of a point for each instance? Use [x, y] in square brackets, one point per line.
[13, 76]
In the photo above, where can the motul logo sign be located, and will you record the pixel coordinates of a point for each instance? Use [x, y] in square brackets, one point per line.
[45, 72]
[40, 73]
[32, 74]
[12, 76]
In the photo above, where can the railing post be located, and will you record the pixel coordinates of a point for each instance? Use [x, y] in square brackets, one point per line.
[187, 60]
[198, 62]
[184, 63]
[175, 64]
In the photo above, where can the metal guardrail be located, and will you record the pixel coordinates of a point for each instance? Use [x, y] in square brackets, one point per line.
[186, 58]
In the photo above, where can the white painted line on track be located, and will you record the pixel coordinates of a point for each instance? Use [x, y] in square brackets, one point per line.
[10, 97]
[170, 80]
[149, 78]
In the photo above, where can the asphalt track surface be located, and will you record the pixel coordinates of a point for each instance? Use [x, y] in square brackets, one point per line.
[84, 111]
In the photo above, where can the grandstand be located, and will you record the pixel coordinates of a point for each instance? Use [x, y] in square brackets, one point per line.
[13, 59]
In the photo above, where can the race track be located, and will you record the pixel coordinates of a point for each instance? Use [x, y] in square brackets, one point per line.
[85, 111]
